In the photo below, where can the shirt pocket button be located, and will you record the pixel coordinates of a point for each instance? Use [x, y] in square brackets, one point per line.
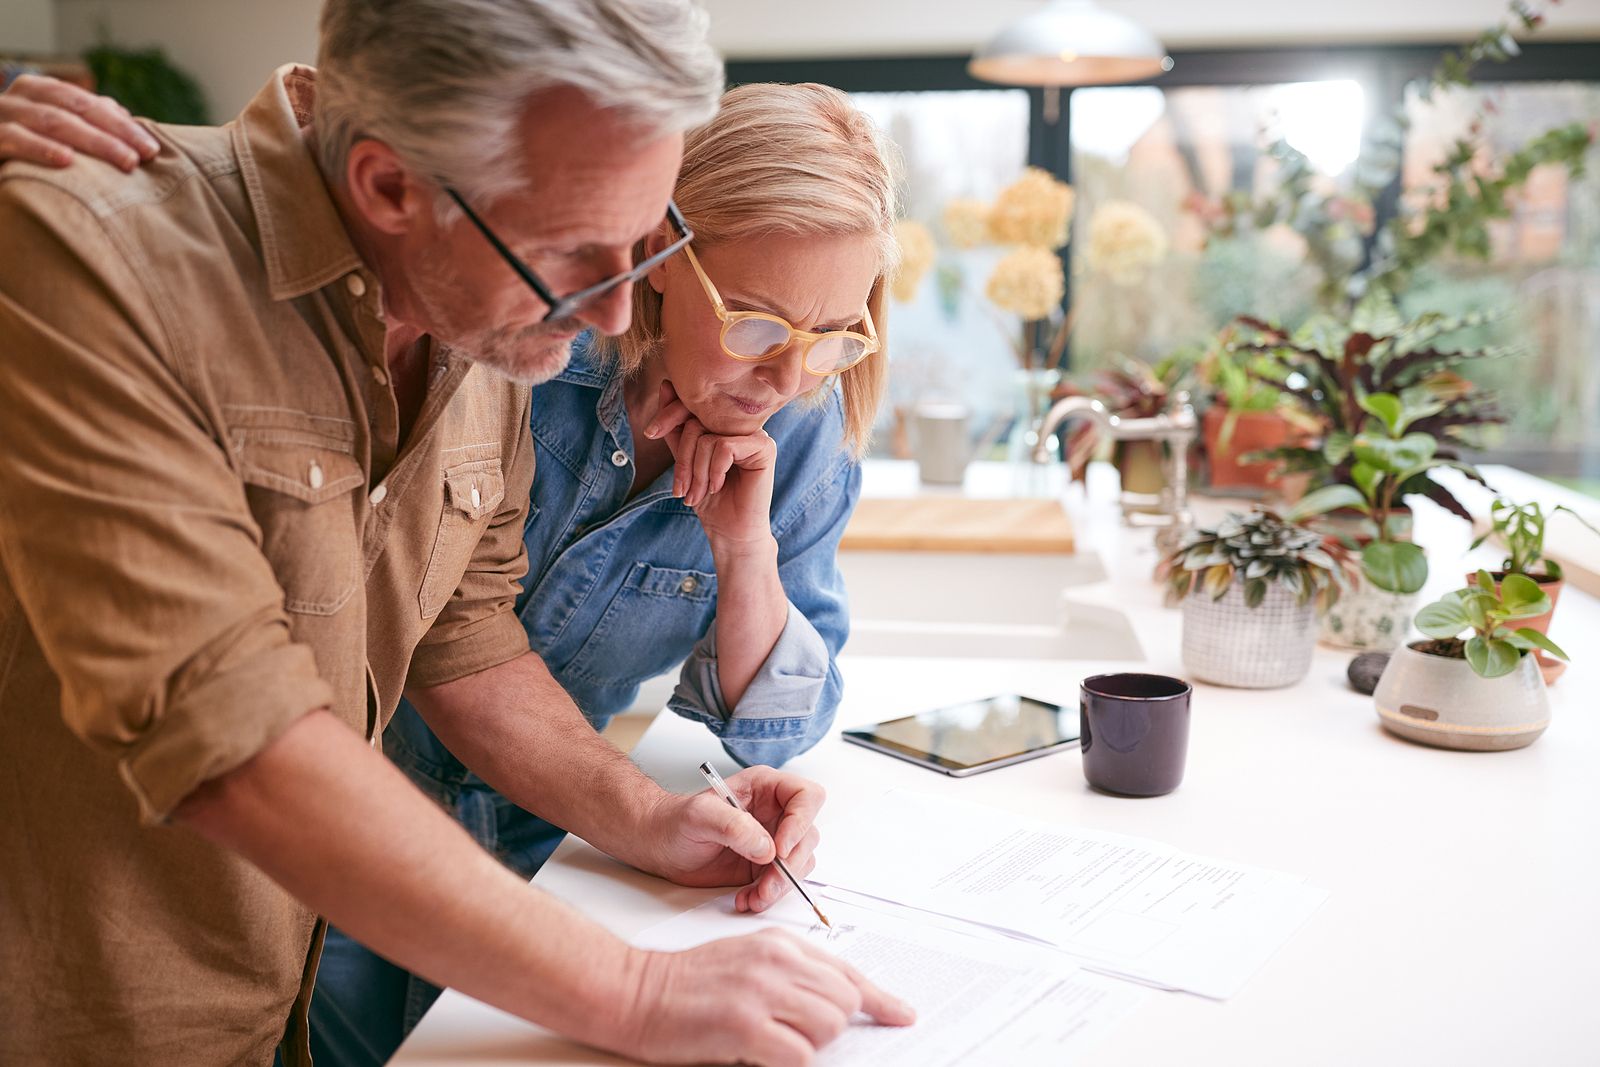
[688, 585]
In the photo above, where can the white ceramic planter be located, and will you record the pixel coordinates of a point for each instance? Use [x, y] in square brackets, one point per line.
[1441, 702]
[1369, 619]
[1265, 647]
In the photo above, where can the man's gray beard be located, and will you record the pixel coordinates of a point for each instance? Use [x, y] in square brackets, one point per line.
[507, 355]
[501, 350]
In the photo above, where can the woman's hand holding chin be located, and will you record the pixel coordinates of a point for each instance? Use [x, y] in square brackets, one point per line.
[726, 479]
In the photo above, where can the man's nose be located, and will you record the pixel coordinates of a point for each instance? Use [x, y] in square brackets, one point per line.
[611, 312]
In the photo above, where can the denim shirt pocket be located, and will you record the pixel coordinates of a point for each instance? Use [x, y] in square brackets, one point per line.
[652, 621]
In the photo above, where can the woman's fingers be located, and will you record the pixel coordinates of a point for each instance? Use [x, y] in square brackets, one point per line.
[72, 118]
[684, 450]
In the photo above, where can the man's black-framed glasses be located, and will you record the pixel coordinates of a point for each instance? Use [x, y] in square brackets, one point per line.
[562, 307]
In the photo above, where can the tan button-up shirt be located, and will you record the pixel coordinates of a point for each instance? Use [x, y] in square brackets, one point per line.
[208, 528]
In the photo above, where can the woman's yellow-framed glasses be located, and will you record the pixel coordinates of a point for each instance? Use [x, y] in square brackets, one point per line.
[755, 336]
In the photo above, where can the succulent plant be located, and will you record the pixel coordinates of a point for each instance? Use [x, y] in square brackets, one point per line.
[1257, 550]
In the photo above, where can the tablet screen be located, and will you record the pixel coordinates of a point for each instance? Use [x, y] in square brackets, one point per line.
[982, 731]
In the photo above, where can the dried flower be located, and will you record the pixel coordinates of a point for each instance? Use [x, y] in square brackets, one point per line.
[966, 220]
[1125, 241]
[1033, 210]
[917, 253]
[1028, 281]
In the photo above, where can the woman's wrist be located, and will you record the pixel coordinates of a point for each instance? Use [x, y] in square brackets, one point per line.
[733, 551]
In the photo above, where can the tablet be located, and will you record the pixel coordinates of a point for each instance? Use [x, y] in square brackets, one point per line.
[970, 738]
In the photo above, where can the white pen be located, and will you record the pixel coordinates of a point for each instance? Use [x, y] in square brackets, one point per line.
[720, 787]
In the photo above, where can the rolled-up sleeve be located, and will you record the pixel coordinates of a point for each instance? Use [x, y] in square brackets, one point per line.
[478, 628]
[790, 704]
[124, 531]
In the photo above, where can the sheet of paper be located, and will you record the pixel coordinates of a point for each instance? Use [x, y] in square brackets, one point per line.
[1121, 905]
[980, 999]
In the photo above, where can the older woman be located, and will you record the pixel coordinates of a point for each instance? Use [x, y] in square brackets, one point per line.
[694, 477]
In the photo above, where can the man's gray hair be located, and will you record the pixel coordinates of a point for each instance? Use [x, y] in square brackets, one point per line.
[443, 82]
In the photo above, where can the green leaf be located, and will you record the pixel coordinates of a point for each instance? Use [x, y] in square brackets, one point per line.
[1376, 451]
[1386, 407]
[1415, 450]
[1476, 606]
[1328, 498]
[1492, 658]
[1255, 591]
[1522, 596]
[1395, 566]
[1486, 582]
[1336, 449]
[1442, 619]
[1539, 640]
[1367, 479]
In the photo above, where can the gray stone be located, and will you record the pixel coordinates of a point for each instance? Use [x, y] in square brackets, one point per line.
[1365, 670]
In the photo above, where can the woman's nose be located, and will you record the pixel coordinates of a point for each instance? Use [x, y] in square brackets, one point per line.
[784, 371]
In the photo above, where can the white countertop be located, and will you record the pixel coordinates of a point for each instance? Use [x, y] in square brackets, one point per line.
[1462, 926]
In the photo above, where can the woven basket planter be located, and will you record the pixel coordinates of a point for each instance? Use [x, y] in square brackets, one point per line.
[1265, 647]
[1248, 648]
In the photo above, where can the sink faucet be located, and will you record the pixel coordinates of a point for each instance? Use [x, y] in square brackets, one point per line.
[1175, 428]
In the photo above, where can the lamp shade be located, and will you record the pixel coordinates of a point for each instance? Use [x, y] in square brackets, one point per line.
[1070, 42]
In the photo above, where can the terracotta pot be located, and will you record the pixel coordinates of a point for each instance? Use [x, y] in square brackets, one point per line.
[1253, 431]
[1549, 666]
[1440, 701]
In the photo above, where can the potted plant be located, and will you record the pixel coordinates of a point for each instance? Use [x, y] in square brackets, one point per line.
[1390, 457]
[1484, 693]
[1246, 420]
[1251, 590]
[1520, 528]
[1324, 369]
[1130, 390]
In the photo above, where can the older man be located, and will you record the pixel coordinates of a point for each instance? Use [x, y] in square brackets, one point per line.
[263, 467]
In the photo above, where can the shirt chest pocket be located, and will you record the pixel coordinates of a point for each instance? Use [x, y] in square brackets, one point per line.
[300, 491]
[473, 492]
[650, 625]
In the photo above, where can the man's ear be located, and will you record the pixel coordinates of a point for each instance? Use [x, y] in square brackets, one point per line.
[659, 238]
[383, 189]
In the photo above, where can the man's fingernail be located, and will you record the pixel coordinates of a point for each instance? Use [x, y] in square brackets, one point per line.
[60, 157]
[129, 159]
[152, 147]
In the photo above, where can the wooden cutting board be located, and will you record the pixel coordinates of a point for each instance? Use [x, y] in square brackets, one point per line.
[958, 524]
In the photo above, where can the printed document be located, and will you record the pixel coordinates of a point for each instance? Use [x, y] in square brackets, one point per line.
[980, 998]
[1120, 905]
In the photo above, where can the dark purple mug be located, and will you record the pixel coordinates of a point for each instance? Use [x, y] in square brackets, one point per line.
[1135, 732]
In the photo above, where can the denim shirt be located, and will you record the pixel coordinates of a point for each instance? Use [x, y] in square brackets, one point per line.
[619, 591]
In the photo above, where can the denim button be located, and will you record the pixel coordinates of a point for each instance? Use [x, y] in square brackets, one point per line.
[619, 458]
[688, 585]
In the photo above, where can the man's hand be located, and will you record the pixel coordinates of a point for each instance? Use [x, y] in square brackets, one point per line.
[766, 998]
[43, 119]
[700, 840]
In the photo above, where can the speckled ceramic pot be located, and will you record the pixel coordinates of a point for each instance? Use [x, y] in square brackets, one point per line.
[1369, 619]
[1226, 642]
[1440, 701]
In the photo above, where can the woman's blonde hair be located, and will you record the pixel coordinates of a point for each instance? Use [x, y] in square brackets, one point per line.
[797, 160]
